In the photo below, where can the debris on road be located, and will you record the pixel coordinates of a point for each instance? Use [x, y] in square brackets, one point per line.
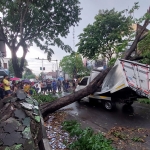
[58, 138]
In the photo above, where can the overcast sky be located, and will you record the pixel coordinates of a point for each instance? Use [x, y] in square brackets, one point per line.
[89, 9]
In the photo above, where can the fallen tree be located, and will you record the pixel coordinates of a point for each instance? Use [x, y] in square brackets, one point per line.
[92, 87]
[66, 100]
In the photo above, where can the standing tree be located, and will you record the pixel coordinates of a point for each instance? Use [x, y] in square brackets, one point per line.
[144, 49]
[28, 74]
[11, 69]
[41, 22]
[108, 35]
[73, 65]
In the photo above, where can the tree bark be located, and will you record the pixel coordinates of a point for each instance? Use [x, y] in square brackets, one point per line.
[15, 64]
[61, 102]
[23, 59]
[138, 38]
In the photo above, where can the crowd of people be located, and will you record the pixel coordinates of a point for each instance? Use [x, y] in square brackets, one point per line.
[8, 87]
[51, 86]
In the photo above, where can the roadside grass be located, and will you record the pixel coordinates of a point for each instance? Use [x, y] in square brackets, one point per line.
[44, 98]
[144, 100]
[85, 139]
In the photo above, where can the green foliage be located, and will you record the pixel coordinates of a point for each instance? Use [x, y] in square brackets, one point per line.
[28, 74]
[144, 48]
[73, 65]
[108, 35]
[86, 138]
[43, 98]
[144, 100]
[11, 70]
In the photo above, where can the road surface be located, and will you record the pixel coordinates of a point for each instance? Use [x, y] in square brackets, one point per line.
[101, 119]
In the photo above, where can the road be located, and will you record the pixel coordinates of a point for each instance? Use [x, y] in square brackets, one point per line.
[100, 119]
[130, 118]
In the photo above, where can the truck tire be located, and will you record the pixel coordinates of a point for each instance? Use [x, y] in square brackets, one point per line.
[109, 105]
[91, 101]
[129, 103]
[79, 100]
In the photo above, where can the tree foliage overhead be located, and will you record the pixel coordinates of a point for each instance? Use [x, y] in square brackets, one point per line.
[42, 22]
[28, 74]
[108, 35]
[144, 49]
[73, 65]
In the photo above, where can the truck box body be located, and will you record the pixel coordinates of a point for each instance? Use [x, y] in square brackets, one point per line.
[126, 81]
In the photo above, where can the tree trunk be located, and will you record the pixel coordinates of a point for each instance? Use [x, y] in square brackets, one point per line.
[137, 39]
[61, 102]
[23, 59]
[15, 64]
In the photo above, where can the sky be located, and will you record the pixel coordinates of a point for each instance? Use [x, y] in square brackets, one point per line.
[89, 9]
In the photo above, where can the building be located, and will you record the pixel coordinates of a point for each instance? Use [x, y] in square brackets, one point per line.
[50, 75]
[3, 63]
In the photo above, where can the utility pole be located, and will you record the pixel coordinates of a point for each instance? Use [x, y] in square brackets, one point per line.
[51, 60]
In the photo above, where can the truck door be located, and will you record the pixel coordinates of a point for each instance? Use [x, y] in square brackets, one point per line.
[82, 84]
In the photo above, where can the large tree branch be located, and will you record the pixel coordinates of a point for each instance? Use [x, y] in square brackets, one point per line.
[134, 45]
[144, 36]
[23, 58]
[23, 17]
[3, 36]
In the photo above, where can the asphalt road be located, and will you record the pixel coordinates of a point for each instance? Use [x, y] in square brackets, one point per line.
[101, 119]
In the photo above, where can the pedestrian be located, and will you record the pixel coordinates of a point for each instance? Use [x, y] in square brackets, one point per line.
[12, 85]
[63, 83]
[49, 85]
[54, 86]
[26, 88]
[15, 87]
[59, 85]
[73, 85]
[43, 87]
[1, 90]
[66, 85]
[36, 88]
[6, 85]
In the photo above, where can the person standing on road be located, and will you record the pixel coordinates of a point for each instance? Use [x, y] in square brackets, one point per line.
[1, 90]
[42, 87]
[54, 86]
[59, 85]
[36, 88]
[73, 85]
[6, 85]
[63, 84]
[66, 85]
[49, 85]
[26, 88]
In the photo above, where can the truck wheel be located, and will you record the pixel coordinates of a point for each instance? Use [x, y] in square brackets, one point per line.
[109, 105]
[79, 100]
[91, 101]
[129, 103]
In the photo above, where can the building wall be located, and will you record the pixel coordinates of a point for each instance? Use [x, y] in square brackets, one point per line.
[5, 63]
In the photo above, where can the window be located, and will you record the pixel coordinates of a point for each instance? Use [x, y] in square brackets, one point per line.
[5, 65]
[84, 81]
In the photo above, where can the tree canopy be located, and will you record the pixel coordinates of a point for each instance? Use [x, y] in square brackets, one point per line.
[144, 49]
[108, 35]
[28, 74]
[42, 22]
[73, 65]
